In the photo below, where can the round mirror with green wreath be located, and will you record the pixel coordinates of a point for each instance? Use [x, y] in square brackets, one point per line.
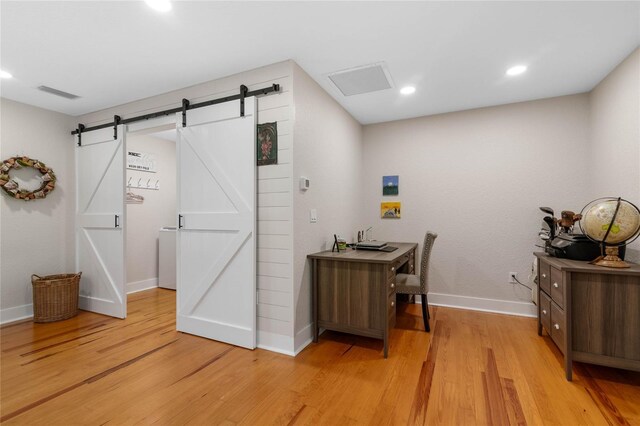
[12, 188]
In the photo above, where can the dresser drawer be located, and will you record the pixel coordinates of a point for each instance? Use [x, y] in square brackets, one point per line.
[558, 326]
[544, 276]
[545, 312]
[557, 286]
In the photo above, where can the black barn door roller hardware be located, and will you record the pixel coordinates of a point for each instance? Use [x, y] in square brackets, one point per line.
[116, 121]
[186, 105]
[79, 132]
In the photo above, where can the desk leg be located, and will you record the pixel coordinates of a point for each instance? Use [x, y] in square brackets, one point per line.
[386, 345]
[314, 298]
[385, 309]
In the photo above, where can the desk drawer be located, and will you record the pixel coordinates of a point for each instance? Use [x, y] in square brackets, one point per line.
[557, 286]
[391, 284]
[391, 310]
[392, 269]
[544, 276]
[545, 312]
[558, 326]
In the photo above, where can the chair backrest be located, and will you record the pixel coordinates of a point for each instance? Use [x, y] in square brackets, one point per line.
[429, 238]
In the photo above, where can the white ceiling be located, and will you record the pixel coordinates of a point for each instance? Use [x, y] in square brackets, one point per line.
[455, 53]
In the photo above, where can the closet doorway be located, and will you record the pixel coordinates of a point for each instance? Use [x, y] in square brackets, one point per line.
[151, 210]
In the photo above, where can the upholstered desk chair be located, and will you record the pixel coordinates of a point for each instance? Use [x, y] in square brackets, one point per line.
[419, 285]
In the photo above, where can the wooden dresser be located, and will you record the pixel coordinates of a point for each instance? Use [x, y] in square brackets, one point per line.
[354, 290]
[592, 313]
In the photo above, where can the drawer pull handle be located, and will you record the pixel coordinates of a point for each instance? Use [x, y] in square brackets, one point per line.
[393, 304]
[544, 275]
[556, 326]
[555, 285]
[393, 285]
[544, 312]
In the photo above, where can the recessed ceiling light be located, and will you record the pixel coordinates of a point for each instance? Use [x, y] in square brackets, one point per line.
[4, 74]
[517, 70]
[159, 5]
[407, 90]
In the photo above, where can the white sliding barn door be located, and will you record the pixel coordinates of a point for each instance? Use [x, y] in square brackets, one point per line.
[216, 288]
[100, 171]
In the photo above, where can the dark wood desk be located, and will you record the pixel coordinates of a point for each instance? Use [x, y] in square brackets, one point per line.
[354, 290]
[592, 313]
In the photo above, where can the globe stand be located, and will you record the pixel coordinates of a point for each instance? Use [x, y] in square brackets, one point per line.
[611, 260]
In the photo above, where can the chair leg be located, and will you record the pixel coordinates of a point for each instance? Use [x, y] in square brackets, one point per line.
[425, 313]
[427, 303]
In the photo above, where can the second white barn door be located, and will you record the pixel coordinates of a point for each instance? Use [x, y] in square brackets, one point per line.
[216, 286]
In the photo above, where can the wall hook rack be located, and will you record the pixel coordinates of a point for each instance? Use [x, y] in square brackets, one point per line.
[142, 185]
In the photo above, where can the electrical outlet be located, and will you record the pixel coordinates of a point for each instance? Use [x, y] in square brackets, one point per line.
[512, 277]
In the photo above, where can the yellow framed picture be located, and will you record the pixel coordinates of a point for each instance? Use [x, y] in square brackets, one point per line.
[390, 210]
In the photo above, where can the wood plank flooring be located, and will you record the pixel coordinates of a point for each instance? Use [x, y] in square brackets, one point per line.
[473, 368]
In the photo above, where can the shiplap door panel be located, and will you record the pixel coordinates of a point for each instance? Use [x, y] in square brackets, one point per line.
[100, 171]
[216, 288]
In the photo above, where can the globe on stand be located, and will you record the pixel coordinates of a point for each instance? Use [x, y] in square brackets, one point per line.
[612, 223]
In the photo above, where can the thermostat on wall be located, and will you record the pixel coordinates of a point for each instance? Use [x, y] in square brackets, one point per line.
[304, 183]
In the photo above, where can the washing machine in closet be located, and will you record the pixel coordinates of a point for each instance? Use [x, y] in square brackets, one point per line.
[167, 258]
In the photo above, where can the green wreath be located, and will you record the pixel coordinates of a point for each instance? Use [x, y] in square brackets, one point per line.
[12, 188]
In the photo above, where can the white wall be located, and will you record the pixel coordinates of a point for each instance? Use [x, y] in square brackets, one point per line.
[328, 151]
[477, 178]
[615, 137]
[158, 210]
[36, 236]
[275, 205]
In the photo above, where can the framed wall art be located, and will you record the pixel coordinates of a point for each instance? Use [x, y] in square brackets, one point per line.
[267, 143]
[390, 210]
[390, 185]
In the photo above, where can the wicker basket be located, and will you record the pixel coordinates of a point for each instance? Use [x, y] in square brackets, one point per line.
[55, 297]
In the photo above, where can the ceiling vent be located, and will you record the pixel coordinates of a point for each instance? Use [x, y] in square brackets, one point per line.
[365, 79]
[57, 92]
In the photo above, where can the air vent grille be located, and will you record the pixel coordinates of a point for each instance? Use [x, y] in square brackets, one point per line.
[365, 79]
[57, 92]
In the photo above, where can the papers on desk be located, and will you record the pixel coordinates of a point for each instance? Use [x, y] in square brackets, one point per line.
[374, 245]
[371, 245]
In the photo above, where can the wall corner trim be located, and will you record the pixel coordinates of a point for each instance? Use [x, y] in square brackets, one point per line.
[303, 338]
[276, 343]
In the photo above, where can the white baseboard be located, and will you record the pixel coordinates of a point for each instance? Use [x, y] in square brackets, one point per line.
[507, 307]
[16, 313]
[137, 286]
[276, 343]
[303, 338]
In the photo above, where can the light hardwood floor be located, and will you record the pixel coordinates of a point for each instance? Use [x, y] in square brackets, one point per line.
[473, 368]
